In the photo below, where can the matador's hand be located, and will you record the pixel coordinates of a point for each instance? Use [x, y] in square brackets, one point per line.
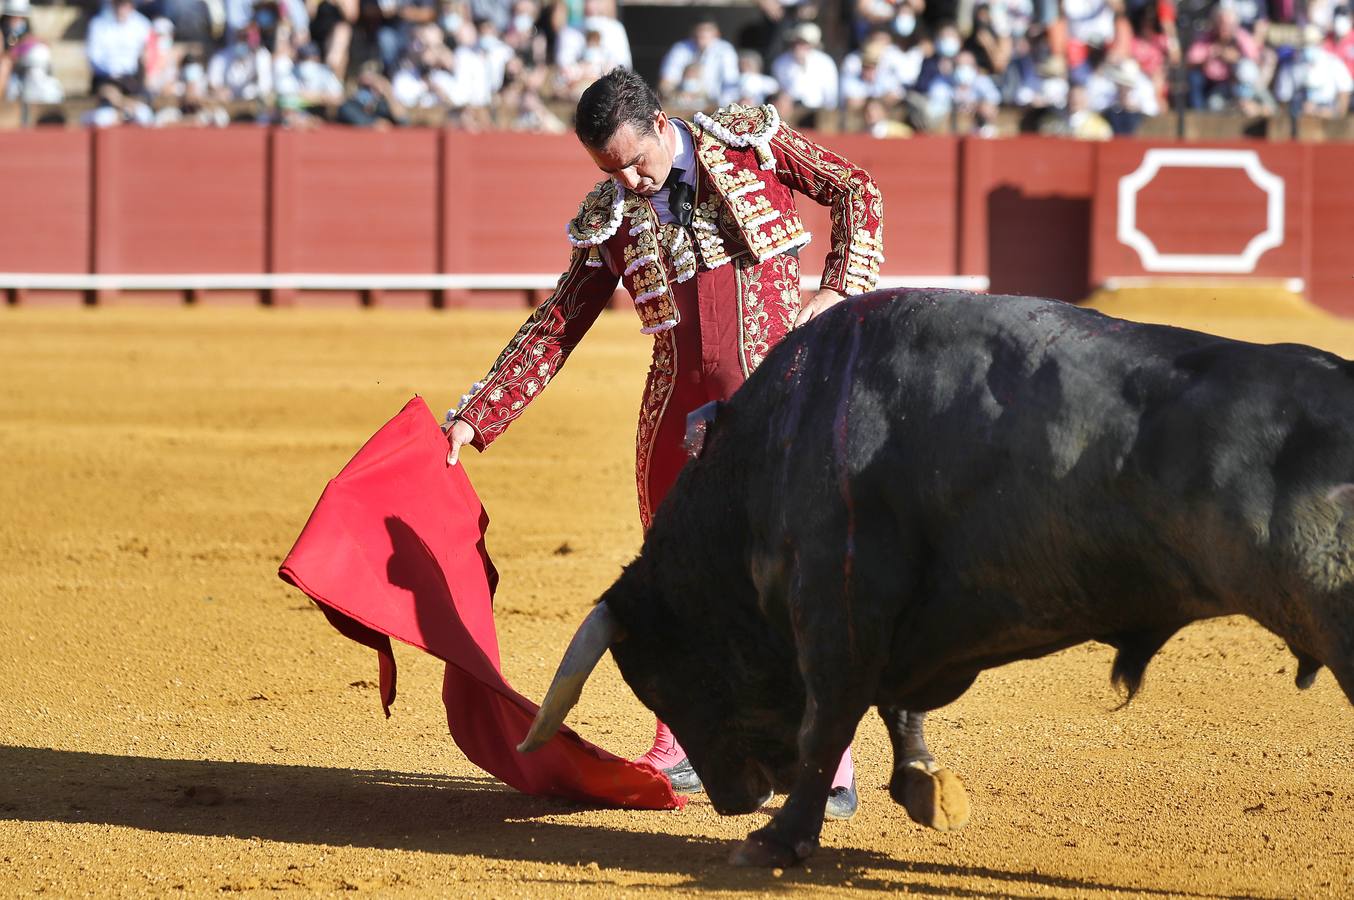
[821, 302]
[458, 435]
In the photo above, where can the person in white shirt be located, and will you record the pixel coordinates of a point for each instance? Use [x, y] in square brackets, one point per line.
[1316, 79]
[876, 70]
[754, 86]
[808, 74]
[715, 56]
[598, 16]
[115, 44]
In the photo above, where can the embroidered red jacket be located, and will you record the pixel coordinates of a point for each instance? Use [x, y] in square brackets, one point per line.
[748, 166]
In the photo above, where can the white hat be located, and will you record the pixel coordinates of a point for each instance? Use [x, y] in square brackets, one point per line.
[15, 8]
[804, 31]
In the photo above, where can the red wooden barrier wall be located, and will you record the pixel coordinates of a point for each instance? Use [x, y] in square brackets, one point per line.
[1033, 215]
[1026, 208]
[46, 224]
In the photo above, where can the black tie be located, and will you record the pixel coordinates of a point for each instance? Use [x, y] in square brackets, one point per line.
[679, 196]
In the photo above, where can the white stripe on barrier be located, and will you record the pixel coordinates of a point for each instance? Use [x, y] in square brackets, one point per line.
[370, 282]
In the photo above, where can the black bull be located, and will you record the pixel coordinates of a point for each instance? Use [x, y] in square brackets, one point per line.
[923, 485]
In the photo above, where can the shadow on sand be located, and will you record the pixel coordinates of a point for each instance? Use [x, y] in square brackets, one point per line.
[433, 814]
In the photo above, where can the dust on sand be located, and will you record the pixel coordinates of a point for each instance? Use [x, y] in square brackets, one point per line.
[178, 720]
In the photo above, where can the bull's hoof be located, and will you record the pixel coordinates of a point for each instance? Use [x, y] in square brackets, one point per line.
[934, 799]
[764, 850]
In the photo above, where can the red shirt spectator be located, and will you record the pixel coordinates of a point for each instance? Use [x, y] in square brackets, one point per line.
[1341, 41]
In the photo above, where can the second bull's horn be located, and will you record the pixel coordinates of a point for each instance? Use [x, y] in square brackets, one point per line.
[594, 636]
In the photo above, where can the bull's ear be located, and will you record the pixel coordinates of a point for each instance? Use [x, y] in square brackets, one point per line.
[593, 638]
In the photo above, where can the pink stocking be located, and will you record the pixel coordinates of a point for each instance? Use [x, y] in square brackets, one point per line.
[666, 752]
[845, 771]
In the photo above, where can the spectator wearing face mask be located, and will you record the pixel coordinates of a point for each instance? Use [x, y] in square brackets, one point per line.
[806, 72]
[716, 57]
[946, 47]
[526, 40]
[899, 16]
[1341, 39]
[25, 61]
[497, 54]
[14, 31]
[242, 70]
[966, 91]
[1314, 81]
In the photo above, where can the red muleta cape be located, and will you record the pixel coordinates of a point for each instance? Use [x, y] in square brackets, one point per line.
[395, 548]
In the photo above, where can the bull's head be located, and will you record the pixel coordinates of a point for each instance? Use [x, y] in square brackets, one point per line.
[736, 710]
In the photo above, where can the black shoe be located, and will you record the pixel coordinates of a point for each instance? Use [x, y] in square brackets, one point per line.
[842, 802]
[684, 778]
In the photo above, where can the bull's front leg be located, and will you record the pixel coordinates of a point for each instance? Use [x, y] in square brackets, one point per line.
[841, 631]
[933, 796]
[793, 834]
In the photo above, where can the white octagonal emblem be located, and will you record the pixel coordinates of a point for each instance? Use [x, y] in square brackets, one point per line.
[1200, 158]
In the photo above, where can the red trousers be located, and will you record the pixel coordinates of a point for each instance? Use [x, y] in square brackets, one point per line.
[698, 360]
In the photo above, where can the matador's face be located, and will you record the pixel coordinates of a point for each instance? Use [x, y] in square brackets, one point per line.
[640, 163]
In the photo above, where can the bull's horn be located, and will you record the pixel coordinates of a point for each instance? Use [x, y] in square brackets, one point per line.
[594, 636]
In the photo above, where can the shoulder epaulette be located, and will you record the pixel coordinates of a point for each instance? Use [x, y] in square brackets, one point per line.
[598, 217]
[744, 126]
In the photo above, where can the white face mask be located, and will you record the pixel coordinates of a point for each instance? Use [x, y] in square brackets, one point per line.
[1309, 54]
[1340, 25]
[451, 23]
[523, 23]
[948, 45]
[965, 75]
[905, 24]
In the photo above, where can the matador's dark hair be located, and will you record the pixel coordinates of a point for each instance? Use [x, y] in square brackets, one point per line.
[618, 97]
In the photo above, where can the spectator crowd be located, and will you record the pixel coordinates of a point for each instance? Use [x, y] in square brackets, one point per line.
[1089, 68]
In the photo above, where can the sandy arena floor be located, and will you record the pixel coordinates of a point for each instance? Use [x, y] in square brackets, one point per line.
[180, 721]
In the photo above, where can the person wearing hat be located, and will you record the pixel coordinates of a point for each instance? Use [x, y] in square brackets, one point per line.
[805, 71]
[13, 29]
[698, 221]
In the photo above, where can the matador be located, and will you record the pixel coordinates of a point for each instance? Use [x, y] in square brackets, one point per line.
[697, 221]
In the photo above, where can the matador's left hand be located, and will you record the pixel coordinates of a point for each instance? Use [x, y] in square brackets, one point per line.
[821, 302]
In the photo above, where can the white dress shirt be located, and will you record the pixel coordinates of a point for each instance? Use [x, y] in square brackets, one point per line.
[685, 159]
[813, 84]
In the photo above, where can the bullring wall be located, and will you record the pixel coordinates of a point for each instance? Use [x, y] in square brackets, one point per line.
[221, 216]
